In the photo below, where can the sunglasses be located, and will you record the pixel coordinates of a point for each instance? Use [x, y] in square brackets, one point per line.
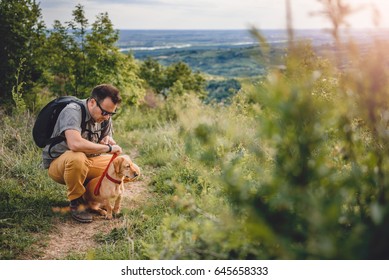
[104, 112]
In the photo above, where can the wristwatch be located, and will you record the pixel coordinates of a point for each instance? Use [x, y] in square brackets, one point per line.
[110, 148]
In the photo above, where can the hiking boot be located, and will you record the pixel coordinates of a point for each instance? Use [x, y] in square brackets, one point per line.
[79, 211]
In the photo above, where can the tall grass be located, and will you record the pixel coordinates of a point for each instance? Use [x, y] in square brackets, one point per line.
[26, 192]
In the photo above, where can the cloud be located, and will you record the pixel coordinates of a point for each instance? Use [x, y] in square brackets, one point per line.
[54, 4]
[201, 14]
[130, 2]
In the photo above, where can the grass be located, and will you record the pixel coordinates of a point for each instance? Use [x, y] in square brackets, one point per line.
[140, 227]
[26, 192]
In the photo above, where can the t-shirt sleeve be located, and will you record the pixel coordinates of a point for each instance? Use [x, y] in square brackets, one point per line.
[69, 119]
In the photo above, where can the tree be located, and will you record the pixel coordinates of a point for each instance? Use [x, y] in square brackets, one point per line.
[153, 73]
[59, 49]
[106, 64]
[101, 51]
[190, 81]
[222, 91]
[22, 33]
[178, 71]
[79, 26]
[127, 79]
[164, 80]
[177, 89]
[79, 59]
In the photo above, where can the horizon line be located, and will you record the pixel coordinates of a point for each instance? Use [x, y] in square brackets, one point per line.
[247, 29]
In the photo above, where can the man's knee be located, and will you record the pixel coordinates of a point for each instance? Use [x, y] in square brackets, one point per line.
[77, 160]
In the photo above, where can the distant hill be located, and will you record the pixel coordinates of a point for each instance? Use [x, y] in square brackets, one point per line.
[226, 62]
[226, 53]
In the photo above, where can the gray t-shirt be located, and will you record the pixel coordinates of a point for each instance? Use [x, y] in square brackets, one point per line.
[70, 118]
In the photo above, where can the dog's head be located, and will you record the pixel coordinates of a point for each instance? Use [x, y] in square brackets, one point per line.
[126, 169]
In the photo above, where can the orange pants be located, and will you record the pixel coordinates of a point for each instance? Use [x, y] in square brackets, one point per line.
[74, 168]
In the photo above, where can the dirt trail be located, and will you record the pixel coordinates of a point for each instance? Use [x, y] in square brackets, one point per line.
[74, 237]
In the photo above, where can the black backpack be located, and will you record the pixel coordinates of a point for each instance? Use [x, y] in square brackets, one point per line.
[47, 117]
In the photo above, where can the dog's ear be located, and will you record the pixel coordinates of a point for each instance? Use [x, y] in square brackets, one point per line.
[117, 163]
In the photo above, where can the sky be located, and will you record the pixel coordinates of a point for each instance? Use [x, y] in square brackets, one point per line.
[210, 14]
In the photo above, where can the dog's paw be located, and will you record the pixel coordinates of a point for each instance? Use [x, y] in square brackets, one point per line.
[103, 212]
[108, 216]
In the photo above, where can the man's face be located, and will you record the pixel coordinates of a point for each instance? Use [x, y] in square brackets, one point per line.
[103, 110]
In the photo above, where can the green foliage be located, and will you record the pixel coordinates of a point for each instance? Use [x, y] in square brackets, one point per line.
[222, 91]
[293, 169]
[365, 142]
[174, 80]
[177, 89]
[101, 52]
[61, 47]
[81, 59]
[128, 242]
[22, 33]
[17, 94]
[79, 27]
[153, 72]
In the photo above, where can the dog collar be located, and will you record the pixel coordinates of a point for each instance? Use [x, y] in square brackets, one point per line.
[97, 188]
[113, 179]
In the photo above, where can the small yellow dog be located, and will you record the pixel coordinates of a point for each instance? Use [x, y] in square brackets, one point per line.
[122, 170]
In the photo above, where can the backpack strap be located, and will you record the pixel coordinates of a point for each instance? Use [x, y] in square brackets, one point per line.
[83, 116]
[58, 139]
[54, 141]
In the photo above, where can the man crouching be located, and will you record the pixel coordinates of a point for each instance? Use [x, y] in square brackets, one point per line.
[78, 159]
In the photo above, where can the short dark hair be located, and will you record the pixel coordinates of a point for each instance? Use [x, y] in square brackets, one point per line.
[103, 91]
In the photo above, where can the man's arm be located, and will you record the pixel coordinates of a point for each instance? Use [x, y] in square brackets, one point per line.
[78, 144]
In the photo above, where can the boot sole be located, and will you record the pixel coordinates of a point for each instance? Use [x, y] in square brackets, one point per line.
[78, 219]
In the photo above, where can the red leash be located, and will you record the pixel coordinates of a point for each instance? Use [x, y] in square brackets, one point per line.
[97, 188]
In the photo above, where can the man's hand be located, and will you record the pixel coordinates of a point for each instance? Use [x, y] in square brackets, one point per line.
[116, 149]
[108, 140]
[78, 144]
